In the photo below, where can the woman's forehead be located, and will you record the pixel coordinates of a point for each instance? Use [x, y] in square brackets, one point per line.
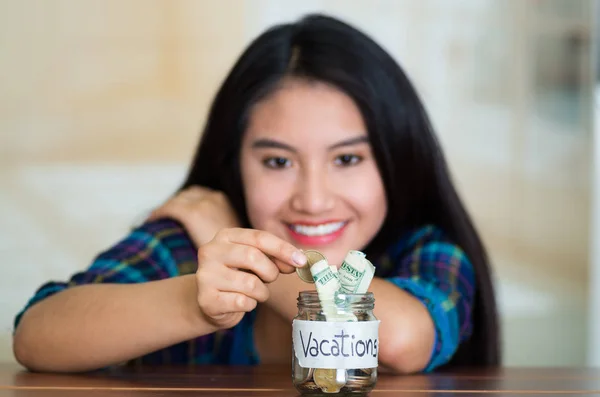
[306, 111]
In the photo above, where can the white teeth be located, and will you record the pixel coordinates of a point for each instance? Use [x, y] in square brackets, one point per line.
[319, 230]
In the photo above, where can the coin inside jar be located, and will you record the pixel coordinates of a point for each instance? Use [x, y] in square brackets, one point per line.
[303, 375]
[304, 271]
[330, 380]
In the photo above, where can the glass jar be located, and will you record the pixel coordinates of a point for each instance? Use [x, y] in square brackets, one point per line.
[335, 344]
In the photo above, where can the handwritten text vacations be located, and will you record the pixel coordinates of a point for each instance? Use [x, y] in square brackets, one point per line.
[322, 344]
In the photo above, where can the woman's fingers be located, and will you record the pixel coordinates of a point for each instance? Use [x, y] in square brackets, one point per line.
[244, 257]
[284, 267]
[269, 244]
[225, 303]
[245, 283]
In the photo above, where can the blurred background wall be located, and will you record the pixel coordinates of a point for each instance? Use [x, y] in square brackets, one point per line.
[102, 102]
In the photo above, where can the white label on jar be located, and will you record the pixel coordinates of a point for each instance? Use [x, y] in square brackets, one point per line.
[341, 345]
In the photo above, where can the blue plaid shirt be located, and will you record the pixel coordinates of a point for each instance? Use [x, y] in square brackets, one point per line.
[424, 263]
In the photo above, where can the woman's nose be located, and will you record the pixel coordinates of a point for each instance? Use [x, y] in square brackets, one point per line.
[313, 195]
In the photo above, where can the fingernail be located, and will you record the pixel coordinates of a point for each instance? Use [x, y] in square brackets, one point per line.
[299, 258]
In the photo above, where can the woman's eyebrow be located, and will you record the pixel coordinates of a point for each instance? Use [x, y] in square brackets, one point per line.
[265, 143]
[350, 142]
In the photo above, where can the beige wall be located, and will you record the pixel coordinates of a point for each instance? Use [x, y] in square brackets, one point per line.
[103, 101]
[87, 81]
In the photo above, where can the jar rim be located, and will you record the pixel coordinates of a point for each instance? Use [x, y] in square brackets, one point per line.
[312, 296]
[315, 293]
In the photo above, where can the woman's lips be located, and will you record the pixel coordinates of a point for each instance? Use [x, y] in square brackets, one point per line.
[313, 234]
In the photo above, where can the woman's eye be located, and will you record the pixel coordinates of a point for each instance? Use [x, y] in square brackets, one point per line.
[347, 159]
[277, 162]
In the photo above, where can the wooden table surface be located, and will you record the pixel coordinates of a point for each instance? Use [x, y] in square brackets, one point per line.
[276, 381]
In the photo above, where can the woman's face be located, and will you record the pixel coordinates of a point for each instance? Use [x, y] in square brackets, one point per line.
[308, 171]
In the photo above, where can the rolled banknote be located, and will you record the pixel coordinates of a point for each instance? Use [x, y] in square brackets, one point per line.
[356, 273]
[328, 285]
[334, 270]
[326, 280]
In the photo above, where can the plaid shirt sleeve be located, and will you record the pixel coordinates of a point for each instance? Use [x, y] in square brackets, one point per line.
[439, 274]
[153, 251]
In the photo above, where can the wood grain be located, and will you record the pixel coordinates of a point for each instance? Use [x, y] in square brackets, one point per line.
[276, 381]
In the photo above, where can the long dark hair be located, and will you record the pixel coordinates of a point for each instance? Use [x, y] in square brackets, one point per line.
[418, 184]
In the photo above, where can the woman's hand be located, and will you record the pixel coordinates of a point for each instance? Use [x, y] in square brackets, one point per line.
[202, 211]
[234, 269]
[234, 264]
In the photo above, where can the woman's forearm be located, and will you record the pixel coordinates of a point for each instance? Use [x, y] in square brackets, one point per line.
[93, 326]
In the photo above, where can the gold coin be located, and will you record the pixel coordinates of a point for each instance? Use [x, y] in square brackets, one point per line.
[304, 271]
[327, 380]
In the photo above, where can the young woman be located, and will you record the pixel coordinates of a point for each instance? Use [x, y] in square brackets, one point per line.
[316, 139]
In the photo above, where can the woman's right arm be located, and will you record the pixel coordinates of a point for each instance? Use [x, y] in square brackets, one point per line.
[133, 299]
[92, 326]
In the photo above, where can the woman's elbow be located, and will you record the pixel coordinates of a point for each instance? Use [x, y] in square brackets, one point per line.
[408, 354]
[26, 344]
[22, 349]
